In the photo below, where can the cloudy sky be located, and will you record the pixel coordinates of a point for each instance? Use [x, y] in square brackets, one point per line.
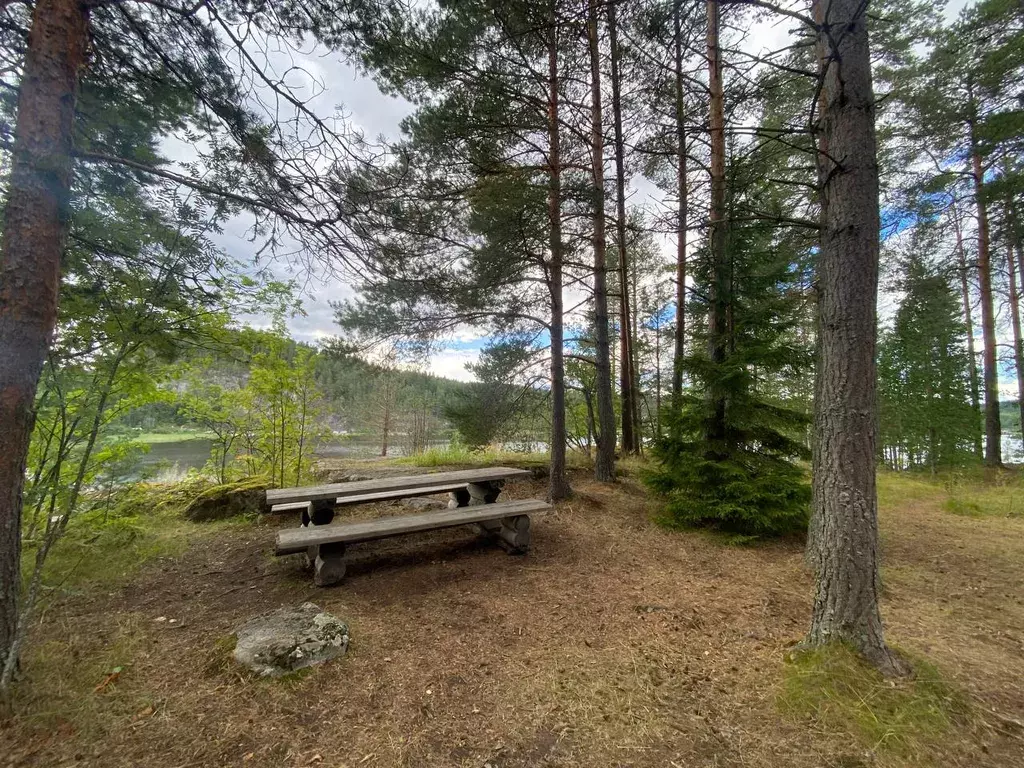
[332, 83]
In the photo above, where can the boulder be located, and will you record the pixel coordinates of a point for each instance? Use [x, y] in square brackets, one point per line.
[246, 497]
[290, 639]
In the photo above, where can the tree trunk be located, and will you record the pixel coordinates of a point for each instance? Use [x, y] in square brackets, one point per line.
[720, 289]
[35, 228]
[604, 464]
[1018, 342]
[846, 563]
[559, 486]
[990, 371]
[680, 331]
[627, 366]
[969, 322]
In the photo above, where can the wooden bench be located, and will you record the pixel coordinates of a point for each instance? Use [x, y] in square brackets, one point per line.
[462, 486]
[472, 501]
[508, 523]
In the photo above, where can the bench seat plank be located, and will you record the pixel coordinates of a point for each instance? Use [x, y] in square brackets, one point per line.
[277, 496]
[299, 539]
[368, 498]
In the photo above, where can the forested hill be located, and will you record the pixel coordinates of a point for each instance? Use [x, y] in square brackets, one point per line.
[353, 394]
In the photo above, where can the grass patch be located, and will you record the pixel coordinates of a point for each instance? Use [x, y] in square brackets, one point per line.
[968, 492]
[460, 455]
[106, 544]
[835, 689]
[896, 488]
[88, 691]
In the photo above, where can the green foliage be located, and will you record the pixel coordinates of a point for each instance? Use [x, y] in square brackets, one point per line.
[114, 534]
[490, 409]
[924, 381]
[728, 461]
[837, 691]
[267, 421]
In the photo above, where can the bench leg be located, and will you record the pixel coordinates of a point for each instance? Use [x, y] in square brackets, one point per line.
[328, 564]
[515, 532]
[484, 493]
[318, 512]
[511, 533]
[459, 498]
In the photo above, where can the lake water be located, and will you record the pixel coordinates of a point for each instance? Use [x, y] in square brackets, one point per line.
[172, 460]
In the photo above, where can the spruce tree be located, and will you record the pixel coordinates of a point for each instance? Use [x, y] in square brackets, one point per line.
[730, 461]
[924, 377]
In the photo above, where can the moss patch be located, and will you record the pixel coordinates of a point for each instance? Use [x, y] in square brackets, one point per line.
[836, 690]
[220, 502]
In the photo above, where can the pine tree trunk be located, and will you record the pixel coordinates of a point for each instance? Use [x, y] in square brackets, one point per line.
[559, 486]
[681, 224]
[1018, 342]
[969, 322]
[990, 370]
[846, 561]
[627, 366]
[604, 464]
[35, 229]
[720, 288]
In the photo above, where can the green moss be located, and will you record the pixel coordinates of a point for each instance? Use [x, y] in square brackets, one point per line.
[220, 502]
[835, 689]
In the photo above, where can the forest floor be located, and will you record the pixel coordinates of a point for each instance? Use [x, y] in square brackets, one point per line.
[615, 642]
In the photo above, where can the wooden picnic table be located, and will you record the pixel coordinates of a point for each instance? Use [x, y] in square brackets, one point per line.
[472, 501]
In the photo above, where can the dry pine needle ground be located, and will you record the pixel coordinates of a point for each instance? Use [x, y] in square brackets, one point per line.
[614, 643]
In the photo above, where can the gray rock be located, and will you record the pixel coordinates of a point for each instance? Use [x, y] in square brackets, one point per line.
[290, 639]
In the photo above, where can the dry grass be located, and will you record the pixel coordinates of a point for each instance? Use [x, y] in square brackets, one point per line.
[614, 643]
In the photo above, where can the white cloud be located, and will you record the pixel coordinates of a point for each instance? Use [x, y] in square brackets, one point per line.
[451, 364]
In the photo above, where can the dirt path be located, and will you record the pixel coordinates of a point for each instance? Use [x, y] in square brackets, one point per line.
[614, 643]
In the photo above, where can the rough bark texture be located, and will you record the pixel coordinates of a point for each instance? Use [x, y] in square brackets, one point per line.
[604, 464]
[846, 563]
[627, 368]
[35, 228]
[965, 291]
[680, 330]
[720, 290]
[990, 372]
[1018, 342]
[559, 486]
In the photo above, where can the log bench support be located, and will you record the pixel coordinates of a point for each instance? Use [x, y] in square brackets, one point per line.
[475, 493]
[510, 533]
[320, 512]
[328, 564]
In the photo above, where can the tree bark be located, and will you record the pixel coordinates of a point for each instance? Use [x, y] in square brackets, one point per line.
[720, 288]
[627, 366]
[990, 371]
[969, 322]
[846, 563]
[682, 218]
[559, 486]
[35, 229]
[604, 464]
[1018, 342]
